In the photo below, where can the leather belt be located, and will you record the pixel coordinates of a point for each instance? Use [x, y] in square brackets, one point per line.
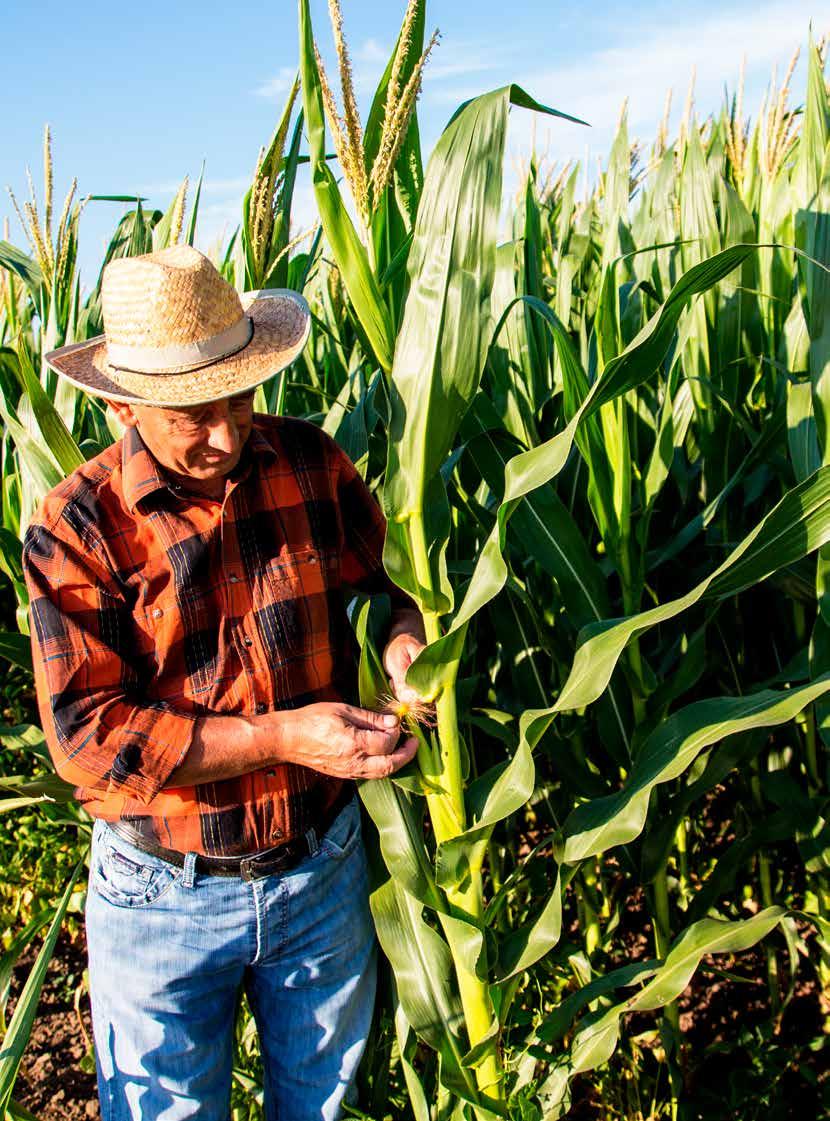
[254, 865]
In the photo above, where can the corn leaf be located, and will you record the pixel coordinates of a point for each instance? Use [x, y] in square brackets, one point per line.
[349, 253]
[20, 1026]
[602, 823]
[441, 346]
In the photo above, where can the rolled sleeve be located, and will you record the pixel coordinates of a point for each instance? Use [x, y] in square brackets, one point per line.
[101, 733]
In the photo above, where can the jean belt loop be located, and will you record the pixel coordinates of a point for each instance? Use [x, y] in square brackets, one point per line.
[313, 843]
[189, 876]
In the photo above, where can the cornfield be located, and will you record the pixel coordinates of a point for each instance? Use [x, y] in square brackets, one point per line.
[603, 450]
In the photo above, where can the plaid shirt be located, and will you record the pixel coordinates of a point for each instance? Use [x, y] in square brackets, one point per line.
[151, 607]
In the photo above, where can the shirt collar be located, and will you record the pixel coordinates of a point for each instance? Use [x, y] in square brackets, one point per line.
[142, 474]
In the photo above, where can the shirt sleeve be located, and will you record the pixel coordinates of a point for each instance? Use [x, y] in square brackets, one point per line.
[364, 530]
[100, 732]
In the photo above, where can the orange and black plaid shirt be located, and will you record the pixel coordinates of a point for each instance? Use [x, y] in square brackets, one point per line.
[151, 606]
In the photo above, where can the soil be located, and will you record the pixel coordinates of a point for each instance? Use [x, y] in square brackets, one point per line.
[52, 1084]
[56, 1082]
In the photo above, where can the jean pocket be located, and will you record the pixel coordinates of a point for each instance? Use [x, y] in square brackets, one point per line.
[344, 832]
[127, 877]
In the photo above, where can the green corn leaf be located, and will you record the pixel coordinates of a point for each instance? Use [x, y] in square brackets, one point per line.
[503, 792]
[400, 829]
[799, 524]
[524, 947]
[57, 437]
[20, 1026]
[544, 527]
[190, 237]
[424, 976]
[594, 1044]
[16, 648]
[19, 263]
[11, 555]
[560, 1022]
[736, 751]
[442, 346]
[25, 738]
[41, 473]
[674, 423]
[349, 252]
[617, 819]
[801, 430]
[508, 389]
[531, 469]
[16, 947]
[49, 788]
[407, 1045]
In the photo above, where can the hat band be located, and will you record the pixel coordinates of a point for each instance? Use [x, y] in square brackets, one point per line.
[179, 357]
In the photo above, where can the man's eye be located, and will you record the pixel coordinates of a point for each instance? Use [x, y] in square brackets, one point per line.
[188, 423]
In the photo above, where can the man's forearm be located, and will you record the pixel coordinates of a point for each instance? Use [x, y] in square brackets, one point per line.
[331, 737]
[228, 746]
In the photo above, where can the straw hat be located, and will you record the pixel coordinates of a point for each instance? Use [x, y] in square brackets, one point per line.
[176, 333]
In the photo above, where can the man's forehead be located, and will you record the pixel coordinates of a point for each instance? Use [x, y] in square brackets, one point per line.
[194, 410]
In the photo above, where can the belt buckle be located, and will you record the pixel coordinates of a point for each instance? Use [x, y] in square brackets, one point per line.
[263, 864]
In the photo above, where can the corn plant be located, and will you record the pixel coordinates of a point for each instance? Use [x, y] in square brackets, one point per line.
[601, 447]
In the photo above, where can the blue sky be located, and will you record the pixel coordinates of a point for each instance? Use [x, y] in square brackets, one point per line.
[138, 98]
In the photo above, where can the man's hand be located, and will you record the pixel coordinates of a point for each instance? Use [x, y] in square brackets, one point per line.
[345, 741]
[406, 641]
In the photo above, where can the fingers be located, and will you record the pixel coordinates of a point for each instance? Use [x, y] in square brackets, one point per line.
[405, 692]
[372, 721]
[376, 743]
[382, 766]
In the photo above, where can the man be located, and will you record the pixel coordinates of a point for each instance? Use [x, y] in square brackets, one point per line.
[192, 660]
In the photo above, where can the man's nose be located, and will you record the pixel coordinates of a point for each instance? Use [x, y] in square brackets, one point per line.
[224, 436]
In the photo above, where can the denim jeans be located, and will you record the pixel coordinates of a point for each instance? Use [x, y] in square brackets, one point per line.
[169, 950]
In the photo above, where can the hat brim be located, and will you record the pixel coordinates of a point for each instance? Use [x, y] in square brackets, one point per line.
[281, 322]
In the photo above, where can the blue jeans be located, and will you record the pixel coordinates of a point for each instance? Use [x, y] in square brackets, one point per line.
[169, 950]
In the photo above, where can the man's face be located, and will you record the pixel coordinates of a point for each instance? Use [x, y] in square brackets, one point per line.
[203, 442]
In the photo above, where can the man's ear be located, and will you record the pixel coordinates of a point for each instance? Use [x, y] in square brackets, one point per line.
[124, 412]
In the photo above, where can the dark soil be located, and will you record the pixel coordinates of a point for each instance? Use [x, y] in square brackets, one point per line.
[52, 1084]
[739, 1061]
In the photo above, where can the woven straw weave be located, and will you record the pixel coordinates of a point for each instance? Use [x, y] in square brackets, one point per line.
[173, 296]
[177, 297]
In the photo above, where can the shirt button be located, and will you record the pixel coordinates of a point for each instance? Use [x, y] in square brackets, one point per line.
[247, 641]
[276, 834]
[234, 579]
[157, 612]
[261, 707]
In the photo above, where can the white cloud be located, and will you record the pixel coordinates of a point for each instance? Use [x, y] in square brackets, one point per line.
[658, 57]
[277, 86]
[456, 60]
[373, 51]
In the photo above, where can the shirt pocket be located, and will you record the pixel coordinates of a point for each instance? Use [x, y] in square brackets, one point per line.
[294, 616]
[183, 649]
[161, 629]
